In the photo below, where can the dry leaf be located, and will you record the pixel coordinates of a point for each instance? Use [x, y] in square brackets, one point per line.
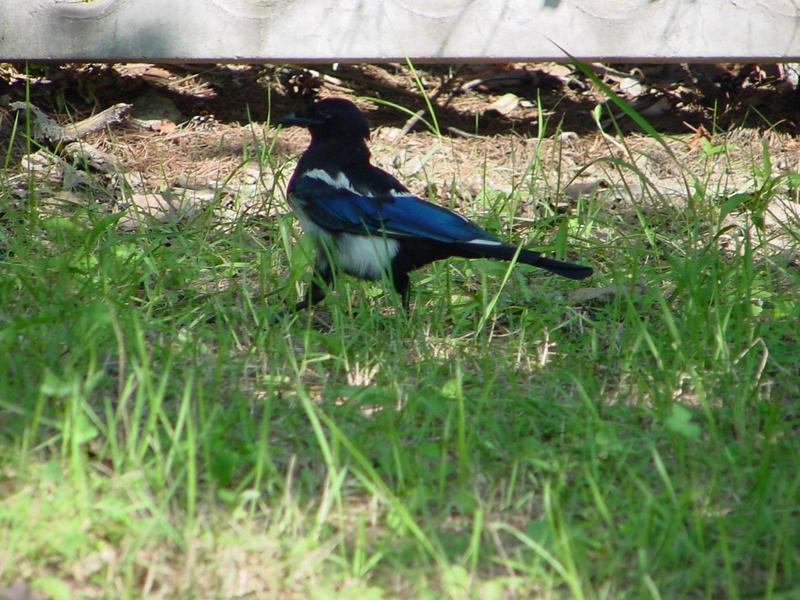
[81, 152]
[658, 108]
[67, 197]
[631, 87]
[592, 294]
[18, 590]
[505, 104]
[584, 188]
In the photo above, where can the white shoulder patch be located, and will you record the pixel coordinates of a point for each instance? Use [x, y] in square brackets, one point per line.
[479, 242]
[341, 181]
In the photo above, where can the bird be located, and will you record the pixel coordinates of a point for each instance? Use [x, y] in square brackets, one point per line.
[365, 222]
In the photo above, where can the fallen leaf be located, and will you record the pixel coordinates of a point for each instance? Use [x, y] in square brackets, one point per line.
[44, 165]
[145, 207]
[584, 188]
[505, 104]
[68, 197]
[566, 136]
[658, 108]
[631, 87]
[84, 153]
[18, 590]
[591, 294]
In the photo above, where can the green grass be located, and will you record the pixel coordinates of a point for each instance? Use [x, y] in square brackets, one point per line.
[163, 435]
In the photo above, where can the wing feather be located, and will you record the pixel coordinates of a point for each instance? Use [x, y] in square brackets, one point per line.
[335, 205]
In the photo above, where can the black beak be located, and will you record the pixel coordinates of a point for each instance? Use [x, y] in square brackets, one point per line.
[299, 119]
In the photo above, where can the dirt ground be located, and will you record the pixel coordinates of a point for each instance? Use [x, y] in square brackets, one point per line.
[194, 134]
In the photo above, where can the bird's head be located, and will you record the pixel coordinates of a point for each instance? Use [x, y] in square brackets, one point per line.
[331, 117]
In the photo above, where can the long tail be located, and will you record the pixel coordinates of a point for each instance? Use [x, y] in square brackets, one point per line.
[529, 257]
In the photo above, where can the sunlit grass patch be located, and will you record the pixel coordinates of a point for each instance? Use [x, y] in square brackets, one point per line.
[168, 432]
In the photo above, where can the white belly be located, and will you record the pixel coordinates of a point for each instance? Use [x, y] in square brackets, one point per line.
[367, 257]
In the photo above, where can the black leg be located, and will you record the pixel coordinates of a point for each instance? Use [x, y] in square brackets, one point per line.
[321, 280]
[402, 285]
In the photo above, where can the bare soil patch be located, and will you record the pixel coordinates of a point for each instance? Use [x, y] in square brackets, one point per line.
[198, 136]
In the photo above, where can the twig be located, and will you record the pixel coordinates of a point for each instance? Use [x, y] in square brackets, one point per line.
[413, 120]
[45, 128]
[464, 134]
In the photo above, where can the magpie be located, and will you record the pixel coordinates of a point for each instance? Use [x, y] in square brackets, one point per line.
[366, 223]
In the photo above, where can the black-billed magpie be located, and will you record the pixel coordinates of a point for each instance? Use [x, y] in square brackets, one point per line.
[366, 222]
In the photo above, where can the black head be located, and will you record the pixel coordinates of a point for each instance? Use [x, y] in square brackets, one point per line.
[331, 117]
